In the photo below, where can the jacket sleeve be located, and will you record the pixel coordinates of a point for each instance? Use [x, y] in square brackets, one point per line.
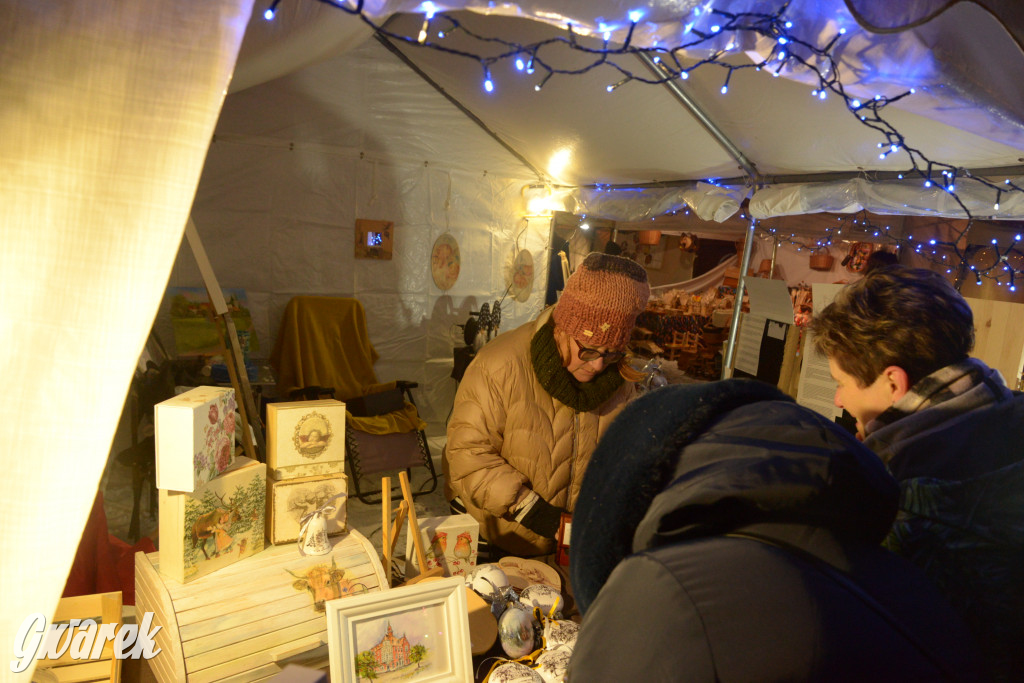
[475, 437]
[642, 620]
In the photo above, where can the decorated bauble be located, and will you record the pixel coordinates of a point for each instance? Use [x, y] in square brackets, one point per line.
[560, 633]
[488, 580]
[545, 597]
[553, 665]
[516, 633]
[513, 672]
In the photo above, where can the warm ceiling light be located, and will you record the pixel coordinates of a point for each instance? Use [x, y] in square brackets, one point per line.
[559, 162]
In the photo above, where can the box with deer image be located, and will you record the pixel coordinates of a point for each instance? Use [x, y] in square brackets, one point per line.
[449, 542]
[195, 437]
[305, 438]
[290, 501]
[218, 524]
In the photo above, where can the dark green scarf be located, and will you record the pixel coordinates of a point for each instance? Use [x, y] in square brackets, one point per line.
[559, 382]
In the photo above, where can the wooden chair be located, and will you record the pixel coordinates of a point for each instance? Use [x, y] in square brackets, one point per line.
[682, 344]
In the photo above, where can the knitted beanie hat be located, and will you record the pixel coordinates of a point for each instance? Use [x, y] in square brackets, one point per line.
[602, 299]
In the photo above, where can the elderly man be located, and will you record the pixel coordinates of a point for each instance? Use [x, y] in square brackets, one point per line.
[952, 434]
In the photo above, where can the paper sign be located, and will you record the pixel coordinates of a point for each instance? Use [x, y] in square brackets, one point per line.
[816, 389]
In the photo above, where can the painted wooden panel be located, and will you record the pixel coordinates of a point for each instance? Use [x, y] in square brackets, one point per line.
[218, 524]
[999, 336]
[450, 542]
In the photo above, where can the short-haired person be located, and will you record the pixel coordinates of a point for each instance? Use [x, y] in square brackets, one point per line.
[534, 401]
[952, 434]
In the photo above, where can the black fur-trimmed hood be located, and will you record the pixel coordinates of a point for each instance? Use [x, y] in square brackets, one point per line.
[695, 460]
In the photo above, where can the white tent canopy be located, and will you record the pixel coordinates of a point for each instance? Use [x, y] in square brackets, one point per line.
[118, 124]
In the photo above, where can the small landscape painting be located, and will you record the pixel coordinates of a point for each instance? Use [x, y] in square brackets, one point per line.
[195, 326]
[402, 646]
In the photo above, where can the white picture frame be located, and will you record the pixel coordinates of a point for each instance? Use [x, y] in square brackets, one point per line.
[423, 627]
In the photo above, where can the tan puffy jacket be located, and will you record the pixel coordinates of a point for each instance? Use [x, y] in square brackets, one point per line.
[505, 430]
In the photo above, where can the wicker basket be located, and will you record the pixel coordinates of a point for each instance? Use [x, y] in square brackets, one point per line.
[821, 259]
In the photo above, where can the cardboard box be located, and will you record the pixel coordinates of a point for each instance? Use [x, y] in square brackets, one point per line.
[449, 542]
[289, 500]
[218, 524]
[305, 438]
[195, 437]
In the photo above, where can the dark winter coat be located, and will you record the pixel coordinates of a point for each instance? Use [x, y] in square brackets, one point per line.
[724, 533]
[961, 516]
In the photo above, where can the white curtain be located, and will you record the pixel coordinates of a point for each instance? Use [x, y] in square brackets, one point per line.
[106, 112]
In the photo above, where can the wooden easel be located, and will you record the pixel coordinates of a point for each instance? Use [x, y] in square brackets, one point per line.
[233, 352]
[389, 531]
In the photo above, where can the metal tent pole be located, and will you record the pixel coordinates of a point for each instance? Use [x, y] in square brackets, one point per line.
[748, 167]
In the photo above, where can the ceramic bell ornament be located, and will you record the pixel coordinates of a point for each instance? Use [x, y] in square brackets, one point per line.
[313, 538]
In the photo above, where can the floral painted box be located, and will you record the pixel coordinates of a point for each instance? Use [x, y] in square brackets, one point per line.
[289, 501]
[195, 437]
[218, 524]
[305, 438]
[449, 542]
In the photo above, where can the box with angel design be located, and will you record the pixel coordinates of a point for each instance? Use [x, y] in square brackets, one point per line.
[449, 542]
[290, 501]
[305, 438]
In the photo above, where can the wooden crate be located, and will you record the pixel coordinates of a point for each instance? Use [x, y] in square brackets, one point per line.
[305, 438]
[103, 608]
[221, 523]
[248, 621]
[289, 500]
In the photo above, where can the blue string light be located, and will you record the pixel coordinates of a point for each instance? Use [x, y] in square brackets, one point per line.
[790, 52]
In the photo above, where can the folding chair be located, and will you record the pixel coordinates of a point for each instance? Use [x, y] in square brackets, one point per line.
[323, 350]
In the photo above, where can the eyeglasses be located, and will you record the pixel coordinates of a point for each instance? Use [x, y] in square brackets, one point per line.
[609, 357]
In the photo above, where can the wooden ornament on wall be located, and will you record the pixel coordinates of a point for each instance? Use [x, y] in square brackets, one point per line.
[374, 239]
[445, 261]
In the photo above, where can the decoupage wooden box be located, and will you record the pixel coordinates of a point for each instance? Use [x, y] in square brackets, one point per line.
[305, 438]
[449, 542]
[289, 500]
[218, 524]
[195, 437]
[248, 621]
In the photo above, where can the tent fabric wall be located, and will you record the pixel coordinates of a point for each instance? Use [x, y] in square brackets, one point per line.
[106, 117]
[108, 111]
[297, 160]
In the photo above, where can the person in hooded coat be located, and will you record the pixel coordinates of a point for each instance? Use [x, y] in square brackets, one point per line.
[724, 533]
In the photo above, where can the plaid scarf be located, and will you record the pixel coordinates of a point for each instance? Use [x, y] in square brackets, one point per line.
[950, 391]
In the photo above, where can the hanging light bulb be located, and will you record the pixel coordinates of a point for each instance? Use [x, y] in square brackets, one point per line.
[271, 11]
